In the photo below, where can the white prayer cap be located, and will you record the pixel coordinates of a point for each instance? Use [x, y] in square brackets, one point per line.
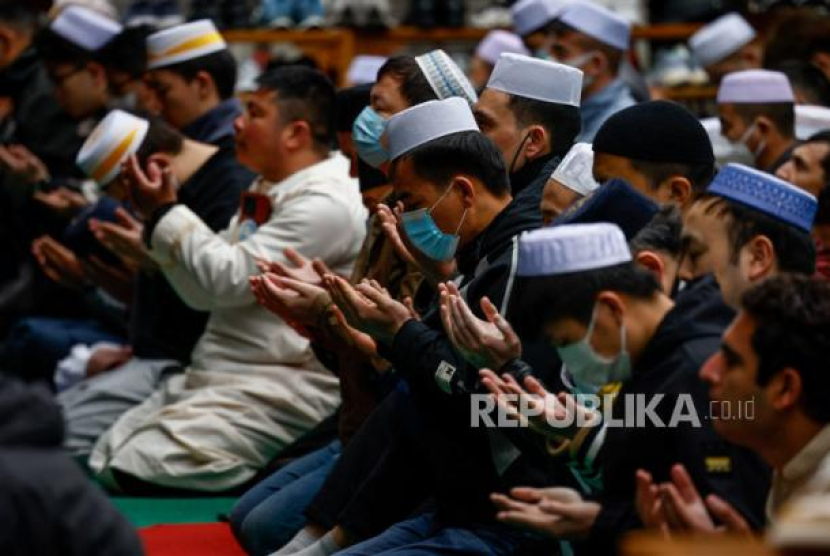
[500, 42]
[84, 27]
[427, 121]
[717, 40]
[537, 79]
[182, 43]
[571, 248]
[103, 7]
[364, 69]
[576, 170]
[810, 119]
[755, 86]
[598, 22]
[532, 15]
[445, 77]
[118, 136]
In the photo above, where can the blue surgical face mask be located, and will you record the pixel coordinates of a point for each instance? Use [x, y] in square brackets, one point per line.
[366, 133]
[589, 370]
[427, 237]
[542, 54]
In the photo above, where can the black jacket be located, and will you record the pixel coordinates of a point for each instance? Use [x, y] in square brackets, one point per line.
[48, 506]
[528, 184]
[669, 366]
[38, 122]
[162, 326]
[466, 463]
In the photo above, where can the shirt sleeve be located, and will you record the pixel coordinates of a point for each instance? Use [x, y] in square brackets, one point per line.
[210, 270]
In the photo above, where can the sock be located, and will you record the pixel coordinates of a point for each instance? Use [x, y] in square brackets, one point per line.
[323, 547]
[301, 540]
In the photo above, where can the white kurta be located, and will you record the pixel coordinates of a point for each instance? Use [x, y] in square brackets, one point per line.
[253, 385]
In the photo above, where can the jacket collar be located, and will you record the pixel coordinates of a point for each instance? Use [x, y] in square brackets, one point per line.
[215, 125]
[528, 173]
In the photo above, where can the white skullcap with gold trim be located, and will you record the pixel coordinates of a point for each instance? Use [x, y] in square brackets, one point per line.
[182, 43]
[118, 136]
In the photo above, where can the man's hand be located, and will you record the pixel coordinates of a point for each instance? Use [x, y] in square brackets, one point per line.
[435, 272]
[687, 511]
[297, 303]
[61, 201]
[124, 239]
[150, 190]
[368, 307]
[116, 280]
[105, 359]
[491, 343]
[649, 502]
[555, 512]
[300, 268]
[23, 163]
[58, 263]
[554, 417]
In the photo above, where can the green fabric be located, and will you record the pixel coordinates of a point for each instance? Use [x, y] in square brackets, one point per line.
[142, 512]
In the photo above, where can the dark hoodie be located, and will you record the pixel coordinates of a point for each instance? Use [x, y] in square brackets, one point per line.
[669, 366]
[47, 504]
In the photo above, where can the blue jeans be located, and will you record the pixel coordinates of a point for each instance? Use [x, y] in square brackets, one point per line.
[272, 512]
[423, 536]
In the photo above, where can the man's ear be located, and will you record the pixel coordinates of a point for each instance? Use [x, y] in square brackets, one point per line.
[206, 86]
[822, 61]
[297, 135]
[785, 389]
[653, 263]
[98, 73]
[764, 125]
[466, 189]
[679, 189]
[614, 303]
[537, 142]
[761, 257]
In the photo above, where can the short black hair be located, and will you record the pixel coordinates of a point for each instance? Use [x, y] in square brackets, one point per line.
[699, 175]
[304, 94]
[466, 152]
[822, 137]
[562, 122]
[161, 138]
[23, 15]
[662, 234]
[221, 66]
[808, 79]
[414, 85]
[539, 300]
[792, 330]
[782, 114]
[127, 52]
[823, 213]
[613, 55]
[794, 248]
[55, 49]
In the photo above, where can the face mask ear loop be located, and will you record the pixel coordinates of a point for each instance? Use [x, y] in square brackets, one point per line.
[518, 151]
[463, 216]
[441, 198]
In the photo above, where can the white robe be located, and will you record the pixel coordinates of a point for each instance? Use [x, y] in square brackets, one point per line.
[253, 385]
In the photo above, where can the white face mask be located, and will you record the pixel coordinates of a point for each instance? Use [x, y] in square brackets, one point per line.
[577, 62]
[741, 152]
